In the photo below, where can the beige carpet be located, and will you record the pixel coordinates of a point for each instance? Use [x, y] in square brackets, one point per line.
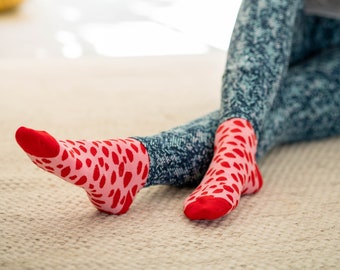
[293, 223]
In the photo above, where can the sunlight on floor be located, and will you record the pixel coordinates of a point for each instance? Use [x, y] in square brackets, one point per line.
[138, 38]
[116, 28]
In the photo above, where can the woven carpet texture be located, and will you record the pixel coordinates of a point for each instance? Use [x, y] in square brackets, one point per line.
[293, 223]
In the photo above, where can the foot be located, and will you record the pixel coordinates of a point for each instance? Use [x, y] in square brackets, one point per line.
[110, 171]
[233, 172]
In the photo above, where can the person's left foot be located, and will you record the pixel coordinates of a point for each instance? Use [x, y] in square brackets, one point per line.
[233, 172]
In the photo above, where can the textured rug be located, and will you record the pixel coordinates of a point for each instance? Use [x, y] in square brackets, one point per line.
[293, 223]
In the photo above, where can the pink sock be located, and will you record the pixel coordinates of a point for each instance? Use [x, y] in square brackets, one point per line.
[110, 171]
[232, 173]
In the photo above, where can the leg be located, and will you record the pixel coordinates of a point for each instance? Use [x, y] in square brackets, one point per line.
[182, 155]
[305, 111]
[184, 168]
[257, 61]
[301, 111]
[170, 162]
[113, 171]
[269, 37]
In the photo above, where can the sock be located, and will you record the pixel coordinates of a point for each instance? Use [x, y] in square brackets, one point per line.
[232, 173]
[110, 171]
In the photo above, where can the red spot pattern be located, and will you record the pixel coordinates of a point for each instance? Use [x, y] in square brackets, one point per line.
[232, 172]
[127, 178]
[111, 171]
[82, 180]
[79, 164]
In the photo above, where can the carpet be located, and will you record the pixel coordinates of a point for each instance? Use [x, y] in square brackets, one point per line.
[293, 223]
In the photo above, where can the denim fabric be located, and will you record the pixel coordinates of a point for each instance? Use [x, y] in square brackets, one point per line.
[281, 75]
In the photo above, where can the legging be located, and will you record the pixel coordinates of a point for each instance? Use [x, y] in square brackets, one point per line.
[269, 36]
[282, 74]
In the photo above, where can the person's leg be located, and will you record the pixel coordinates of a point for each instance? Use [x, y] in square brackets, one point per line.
[183, 160]
[306, 108]
[257, 62]
[258, 58]
[308, 105]
[113, 171]
[181, 155]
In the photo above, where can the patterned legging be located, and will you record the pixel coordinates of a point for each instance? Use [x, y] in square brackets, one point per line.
[282, 74]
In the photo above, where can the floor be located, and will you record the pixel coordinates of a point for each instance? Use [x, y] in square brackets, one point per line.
[59, 71]
[116, 28]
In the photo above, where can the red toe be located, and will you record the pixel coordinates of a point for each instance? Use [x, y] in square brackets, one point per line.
[207, 208]
[37, 143]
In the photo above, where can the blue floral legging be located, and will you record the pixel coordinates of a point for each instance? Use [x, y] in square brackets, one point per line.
[282, 75]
